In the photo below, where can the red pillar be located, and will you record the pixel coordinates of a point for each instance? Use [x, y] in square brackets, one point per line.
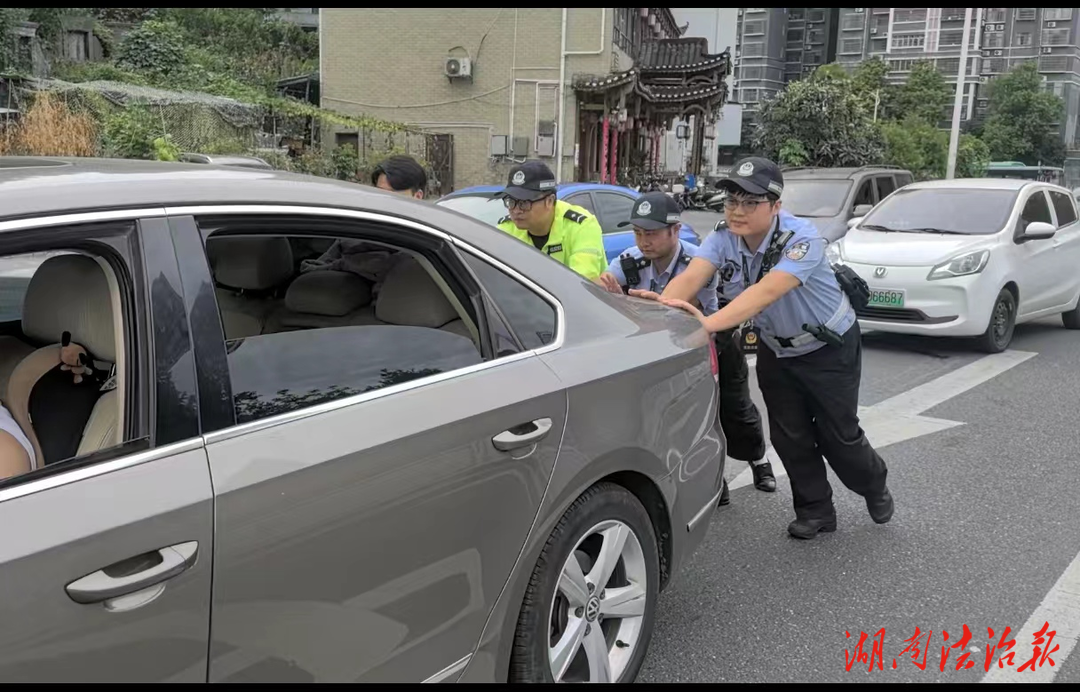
[614, 155]
[604, 149]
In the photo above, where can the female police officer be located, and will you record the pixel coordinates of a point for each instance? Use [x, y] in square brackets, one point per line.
[785, 292]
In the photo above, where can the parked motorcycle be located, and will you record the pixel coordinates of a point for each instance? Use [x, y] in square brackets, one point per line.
[716, 202]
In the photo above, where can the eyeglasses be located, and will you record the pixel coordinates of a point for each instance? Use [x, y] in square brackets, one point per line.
[522, 204]
[749, 205]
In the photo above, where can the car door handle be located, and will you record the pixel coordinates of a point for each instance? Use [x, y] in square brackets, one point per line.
[522, 435]
[134, 574]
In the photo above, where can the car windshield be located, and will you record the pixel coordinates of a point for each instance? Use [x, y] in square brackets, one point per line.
[479, 207]
[954, 211]
[815, 198]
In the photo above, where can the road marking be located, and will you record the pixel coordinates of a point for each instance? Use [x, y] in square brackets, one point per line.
[1061, 609]
[897, 418]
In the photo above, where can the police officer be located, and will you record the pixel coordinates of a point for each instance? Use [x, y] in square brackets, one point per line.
[566, 233]
[658, 256]
[786, 293]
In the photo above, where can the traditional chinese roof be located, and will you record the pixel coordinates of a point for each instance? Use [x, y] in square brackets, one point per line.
[652, 92]
[671, 55]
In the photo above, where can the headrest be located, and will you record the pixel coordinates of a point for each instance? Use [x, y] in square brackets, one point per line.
[327, 292]
[410, 297]
[70, 293]
[251, 263]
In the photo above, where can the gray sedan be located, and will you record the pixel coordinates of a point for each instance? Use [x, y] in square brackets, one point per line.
[323, 433]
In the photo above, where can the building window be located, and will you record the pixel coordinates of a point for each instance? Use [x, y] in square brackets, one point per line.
[996, 14]
[1054, 63]
[753, 50]
[1055, 37]
[853, 22]
[794, 35]
[851, 45]
[1023, 39]
[793, 56]
[948, 66]
[995, 66]
[754, 28]
[909, 40]
[1057, 14]
[951, 38]
[797, 13]
[917, 14]
[815, 16]
[994, 41]
[1025, 14]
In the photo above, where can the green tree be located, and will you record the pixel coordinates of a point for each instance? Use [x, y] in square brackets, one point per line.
[871, 84]
[925, 94]
[819, 122]
[923, 149]
[1021, 123]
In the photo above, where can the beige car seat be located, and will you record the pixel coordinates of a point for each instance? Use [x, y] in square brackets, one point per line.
[247, 263]
[69, 293]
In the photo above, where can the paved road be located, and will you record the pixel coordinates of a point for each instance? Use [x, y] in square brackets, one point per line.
[986, 531]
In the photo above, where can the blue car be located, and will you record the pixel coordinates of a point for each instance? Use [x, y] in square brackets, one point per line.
[610, 203]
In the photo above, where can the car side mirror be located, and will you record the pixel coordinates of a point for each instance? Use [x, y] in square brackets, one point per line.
[854, 222]
[1039, 230]
[862, 209]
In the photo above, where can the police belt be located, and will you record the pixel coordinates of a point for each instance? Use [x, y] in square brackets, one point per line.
[781, 342]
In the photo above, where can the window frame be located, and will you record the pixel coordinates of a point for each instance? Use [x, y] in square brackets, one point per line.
[393, 229]
[602, 215]
[113, 236]
[1021, 205]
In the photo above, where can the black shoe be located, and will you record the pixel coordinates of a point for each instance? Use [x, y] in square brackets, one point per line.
[724, 498]
[809, 528]
[880, 507]
[764, 479]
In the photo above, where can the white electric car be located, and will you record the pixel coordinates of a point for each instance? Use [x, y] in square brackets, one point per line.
[967, 258]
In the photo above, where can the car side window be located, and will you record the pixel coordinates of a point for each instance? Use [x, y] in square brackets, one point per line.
[530, 316]
[885, 186]
[614, 209]
[1063, 205]
[865, 195]
[903, 179]
[69, 361]
[1036, 209]
[304, 328]
[582, 199]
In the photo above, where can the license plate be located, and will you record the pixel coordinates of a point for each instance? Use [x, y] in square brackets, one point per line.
[886, 299]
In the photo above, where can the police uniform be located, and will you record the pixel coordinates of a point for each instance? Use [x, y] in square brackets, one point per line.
[739, 417]
[809, 367]
[574, 239]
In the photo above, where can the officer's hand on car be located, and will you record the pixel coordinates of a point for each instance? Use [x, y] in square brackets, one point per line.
[642, 293]
[683, 305]
[610, 283]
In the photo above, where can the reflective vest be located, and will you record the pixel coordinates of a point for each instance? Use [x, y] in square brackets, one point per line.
[575, 239]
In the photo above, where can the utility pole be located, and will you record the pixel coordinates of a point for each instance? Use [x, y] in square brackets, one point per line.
[954, 136]
[877, 102]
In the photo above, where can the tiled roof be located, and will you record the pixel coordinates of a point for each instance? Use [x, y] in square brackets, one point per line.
[678, 55]
[677, 93]
[590, 82]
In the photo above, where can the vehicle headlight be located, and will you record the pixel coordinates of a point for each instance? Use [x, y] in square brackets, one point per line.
[834, 253]
[962, 265]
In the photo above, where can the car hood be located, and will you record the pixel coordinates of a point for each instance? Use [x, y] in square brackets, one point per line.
[905, 249]
[830, 227]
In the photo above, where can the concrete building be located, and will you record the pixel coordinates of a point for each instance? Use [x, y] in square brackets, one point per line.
[491, 78]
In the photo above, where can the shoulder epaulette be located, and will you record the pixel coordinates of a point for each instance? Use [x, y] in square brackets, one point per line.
[504, 219]
[575, 216]
[685, 258]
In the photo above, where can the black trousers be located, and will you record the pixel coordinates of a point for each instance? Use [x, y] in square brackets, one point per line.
[813, 402]
[739, 417]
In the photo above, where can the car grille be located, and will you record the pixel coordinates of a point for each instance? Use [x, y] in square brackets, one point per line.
[892, 314]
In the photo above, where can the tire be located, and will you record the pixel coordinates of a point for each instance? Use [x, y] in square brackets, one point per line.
[1071, 319]
[999, 332]
[550, 618]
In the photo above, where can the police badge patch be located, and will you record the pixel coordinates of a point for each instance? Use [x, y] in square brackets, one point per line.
[797, 251]
[727, 272]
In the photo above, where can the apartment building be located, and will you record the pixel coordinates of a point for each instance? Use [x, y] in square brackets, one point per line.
[775, 46]
[778, 45]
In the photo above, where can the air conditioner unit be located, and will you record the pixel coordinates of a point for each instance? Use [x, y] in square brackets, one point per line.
[998, 53]
[873, 31]
[456, 68]
[860, 10]
[1047, 49]
[1051, 25]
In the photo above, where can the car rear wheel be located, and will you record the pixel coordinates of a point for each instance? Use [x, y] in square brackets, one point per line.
[589, 608]
[999, 332]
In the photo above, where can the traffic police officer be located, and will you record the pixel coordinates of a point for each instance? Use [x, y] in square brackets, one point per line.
[658, 256]
[566, 233]
[786, 293]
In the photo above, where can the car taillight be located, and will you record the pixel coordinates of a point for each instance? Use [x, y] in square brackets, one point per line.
[714, 361]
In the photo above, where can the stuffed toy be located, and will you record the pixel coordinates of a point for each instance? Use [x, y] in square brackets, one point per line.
[74, 358]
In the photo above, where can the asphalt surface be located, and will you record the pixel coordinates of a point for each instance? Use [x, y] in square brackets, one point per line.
[987, 520]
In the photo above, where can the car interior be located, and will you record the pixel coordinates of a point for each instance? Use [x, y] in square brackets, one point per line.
[273, 284]
[62, 413]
